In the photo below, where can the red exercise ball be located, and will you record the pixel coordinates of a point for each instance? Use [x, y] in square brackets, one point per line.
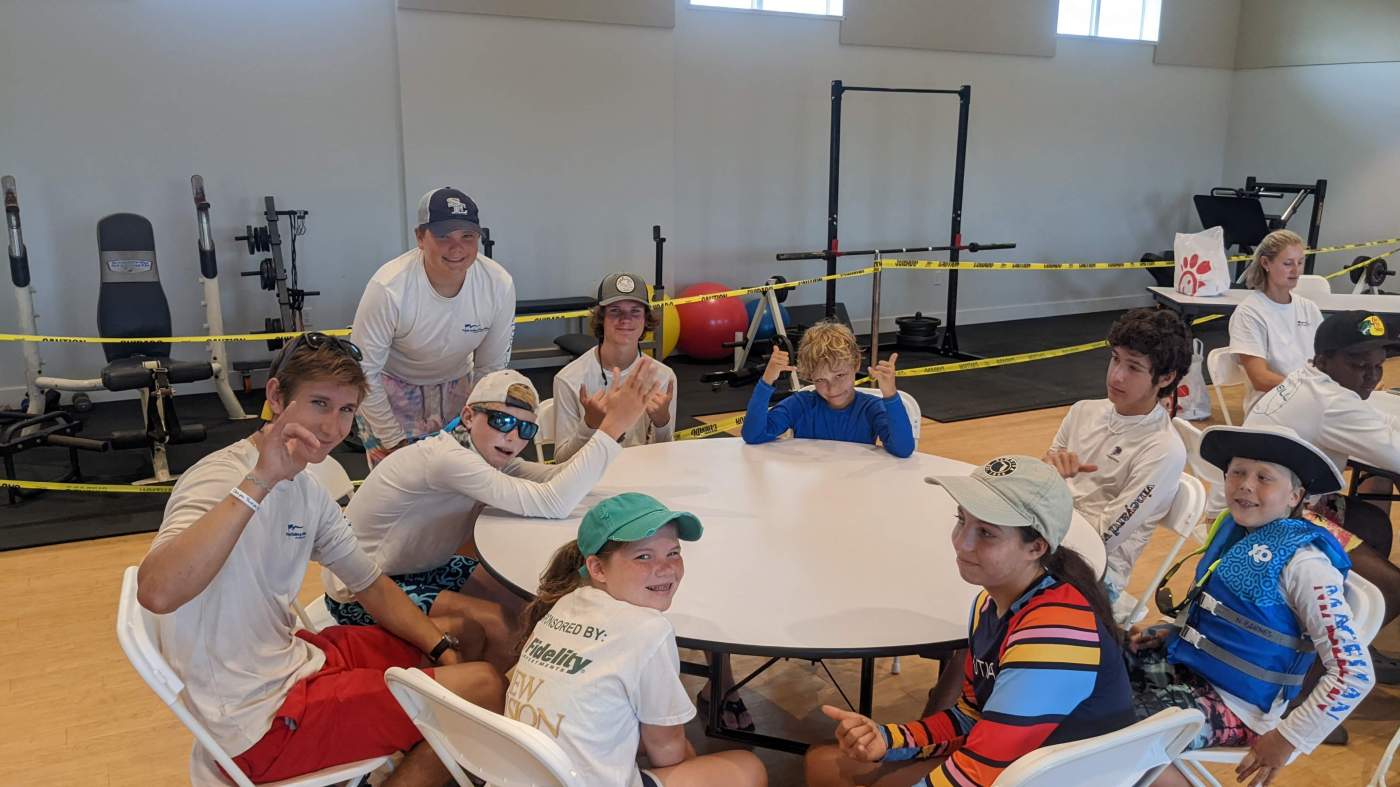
[707, 325]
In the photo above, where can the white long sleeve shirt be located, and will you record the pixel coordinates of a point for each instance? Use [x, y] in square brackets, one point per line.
[1140, 460]
[1334, 419]
[571, 433]
[1314, 592]
[416, 508]
[407, 329]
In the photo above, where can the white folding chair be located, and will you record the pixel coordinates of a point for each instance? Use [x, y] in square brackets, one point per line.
[1191, 437]
[467, 737]
[136, 632]
[1225, 370]
[314, 616]
[1378, 780]
[1130, 757]
[1205, 471]
[1181, 519]
[545, 436]
[1313, 287]
[1368, 612]
[911, 405]
[333, 477]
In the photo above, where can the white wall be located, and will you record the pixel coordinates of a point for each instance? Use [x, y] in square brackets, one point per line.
[576, 138]
[1340, 122]
[1091, 155]
[112, 106]
[583, 136]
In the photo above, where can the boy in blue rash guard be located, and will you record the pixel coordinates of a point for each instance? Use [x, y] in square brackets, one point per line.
[829, 358]
[1267, 603]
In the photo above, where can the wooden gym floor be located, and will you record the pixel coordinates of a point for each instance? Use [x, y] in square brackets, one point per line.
[75, 713]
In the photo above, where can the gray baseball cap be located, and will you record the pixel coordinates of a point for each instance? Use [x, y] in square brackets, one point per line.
[447, 209]
[623, 287]
[1015, 491]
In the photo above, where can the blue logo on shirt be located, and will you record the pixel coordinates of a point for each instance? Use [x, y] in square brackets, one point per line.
[472, 327]
[295, 531]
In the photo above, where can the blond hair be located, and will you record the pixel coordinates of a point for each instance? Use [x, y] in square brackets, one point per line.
[830, 344]
[525, 394]
[1270, 247]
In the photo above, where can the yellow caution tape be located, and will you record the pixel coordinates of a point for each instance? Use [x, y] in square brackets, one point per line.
[944, 265]
[712, 296]
[705, 430]
[787, 285]
[1084, 266]
[1361, 264]
[231, 337]
[694, 432]
[521, 319]
[1005, 360]
[579, 313]
[55, 486]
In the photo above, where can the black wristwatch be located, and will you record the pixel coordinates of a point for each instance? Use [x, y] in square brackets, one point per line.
[447, 641]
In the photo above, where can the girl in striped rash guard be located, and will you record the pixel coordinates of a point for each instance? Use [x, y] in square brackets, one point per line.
[1044, 662]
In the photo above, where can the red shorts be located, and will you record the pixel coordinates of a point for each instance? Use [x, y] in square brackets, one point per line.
[341, 714]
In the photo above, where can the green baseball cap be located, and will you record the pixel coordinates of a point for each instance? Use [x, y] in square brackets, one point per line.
[631, 516]
[1015, 491]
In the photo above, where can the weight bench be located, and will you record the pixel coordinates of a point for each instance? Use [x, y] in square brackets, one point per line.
[131, 303]
[575, 344]
[20, 432]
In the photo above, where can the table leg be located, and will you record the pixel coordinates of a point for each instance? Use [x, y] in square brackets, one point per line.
[715, 720]
[867, 686]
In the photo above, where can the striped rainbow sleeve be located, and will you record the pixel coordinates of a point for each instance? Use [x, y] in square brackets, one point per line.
[1049, 665]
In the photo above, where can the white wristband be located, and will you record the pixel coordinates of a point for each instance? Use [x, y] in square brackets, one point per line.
[244, 498]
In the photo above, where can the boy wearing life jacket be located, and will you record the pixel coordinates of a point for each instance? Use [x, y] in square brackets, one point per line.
[1267, 602]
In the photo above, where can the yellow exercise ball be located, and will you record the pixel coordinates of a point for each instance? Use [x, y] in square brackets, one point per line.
[670, 328]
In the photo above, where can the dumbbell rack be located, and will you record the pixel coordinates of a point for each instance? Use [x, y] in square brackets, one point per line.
[272, 271]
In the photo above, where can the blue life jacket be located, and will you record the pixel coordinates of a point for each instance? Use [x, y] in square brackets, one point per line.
[1240, 633]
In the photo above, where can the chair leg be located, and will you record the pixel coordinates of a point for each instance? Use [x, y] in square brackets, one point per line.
[894, 667]
[1196, 773]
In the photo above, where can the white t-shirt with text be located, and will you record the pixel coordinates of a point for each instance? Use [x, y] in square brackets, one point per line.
[1280, 333]
[232, 644]
[593, 670]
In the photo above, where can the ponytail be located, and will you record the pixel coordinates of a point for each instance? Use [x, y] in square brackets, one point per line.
[560, 578]
[1070, 567]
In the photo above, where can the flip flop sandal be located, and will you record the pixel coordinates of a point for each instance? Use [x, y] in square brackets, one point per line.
[734, 708]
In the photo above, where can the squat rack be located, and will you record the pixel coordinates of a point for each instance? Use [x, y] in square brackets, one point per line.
[955, 245]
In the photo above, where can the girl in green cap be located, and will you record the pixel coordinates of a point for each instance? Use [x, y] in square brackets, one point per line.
[598, 669]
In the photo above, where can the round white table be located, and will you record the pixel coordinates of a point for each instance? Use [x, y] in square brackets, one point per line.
[812, 548]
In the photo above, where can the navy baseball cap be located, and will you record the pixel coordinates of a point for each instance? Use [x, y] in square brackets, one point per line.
[446, 210]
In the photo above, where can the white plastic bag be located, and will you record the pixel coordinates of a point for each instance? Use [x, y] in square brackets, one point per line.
[1201, 268]
[1192, 398]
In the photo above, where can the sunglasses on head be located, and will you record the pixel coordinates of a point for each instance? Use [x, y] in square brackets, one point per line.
[505, 422]
[316, 340]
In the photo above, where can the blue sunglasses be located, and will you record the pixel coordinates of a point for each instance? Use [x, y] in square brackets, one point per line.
[505, 422]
